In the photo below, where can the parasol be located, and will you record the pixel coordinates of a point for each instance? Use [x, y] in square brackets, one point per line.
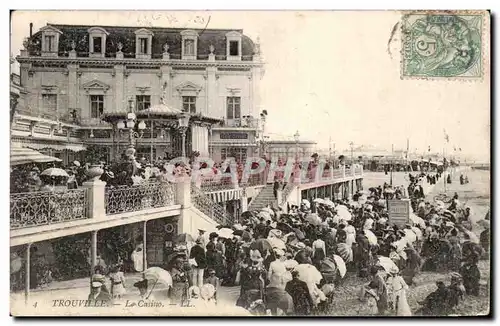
[158, 274]
[327, 266]
[207, 291]
[410, 236]
[238, 227]
[328, 202]
[345, 251]
[387, 264]
[340, 265]
[417, 232]
[344, 215]
[183, 238]
[225, 233]
[372, 239]
[313, 218]
[277, 243]
[284, 227]
[308, 273]
[55, 172]
[242, 233]
[318, 201]
[262, 245]
[275, 233]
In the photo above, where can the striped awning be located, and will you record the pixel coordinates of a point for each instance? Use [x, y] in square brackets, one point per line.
[233, 144]
[20, 155]
[225, 195]
[58, 147]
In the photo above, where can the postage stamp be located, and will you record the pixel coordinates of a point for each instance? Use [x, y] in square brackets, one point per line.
[442, 45]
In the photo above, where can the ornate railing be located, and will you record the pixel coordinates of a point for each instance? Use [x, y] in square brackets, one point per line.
[135, 198]
[208, 207]
[214, 183]
[358, 170]
[47, 207]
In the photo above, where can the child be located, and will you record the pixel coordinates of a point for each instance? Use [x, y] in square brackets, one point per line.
[194, 297]
[117, 282]
[213, 280]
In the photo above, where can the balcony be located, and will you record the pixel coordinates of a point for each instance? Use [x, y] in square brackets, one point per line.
[244, 122]
[71, 117]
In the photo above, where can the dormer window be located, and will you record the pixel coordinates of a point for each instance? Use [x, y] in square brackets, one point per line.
[233, 46]
[143, 41]
[189, 45]
[97, 43]
[50, 41]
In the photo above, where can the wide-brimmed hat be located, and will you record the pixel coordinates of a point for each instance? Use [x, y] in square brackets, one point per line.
[96, 284]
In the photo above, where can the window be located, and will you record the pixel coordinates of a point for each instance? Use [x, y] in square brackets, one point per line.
[233, 107]
[234, 48]
[97, 45]
[50, 43]
[49, 102]
[143, 102]
[239, 154]
[96, 106]
[143, 45]
[189, 104]
[189, 47]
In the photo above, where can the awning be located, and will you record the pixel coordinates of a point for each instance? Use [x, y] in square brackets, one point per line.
[41, 145]
[19, 155]
[233, 144]
[225, 195]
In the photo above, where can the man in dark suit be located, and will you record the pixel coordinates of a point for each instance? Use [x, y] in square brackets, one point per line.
[199, 256]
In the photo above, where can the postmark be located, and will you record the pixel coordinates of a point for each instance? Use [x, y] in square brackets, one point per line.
[442, 45]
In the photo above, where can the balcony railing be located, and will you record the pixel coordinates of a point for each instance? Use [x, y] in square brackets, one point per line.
[216, 183]
[71, 117]
[135, 198]
[46, 207]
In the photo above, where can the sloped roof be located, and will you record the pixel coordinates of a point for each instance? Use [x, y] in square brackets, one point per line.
[161, 35]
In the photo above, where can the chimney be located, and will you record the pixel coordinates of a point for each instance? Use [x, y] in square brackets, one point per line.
[31, 30]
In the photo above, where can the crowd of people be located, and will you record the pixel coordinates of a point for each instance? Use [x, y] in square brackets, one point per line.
[290, 263]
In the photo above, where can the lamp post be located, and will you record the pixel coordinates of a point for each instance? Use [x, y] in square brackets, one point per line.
[296, 136]
[183, 125]
[130, 124]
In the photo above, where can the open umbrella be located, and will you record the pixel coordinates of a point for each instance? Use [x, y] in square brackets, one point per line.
[157, 274]
[372, 239]
[183, 238]
[313, 218]
[225, 233]
[262, 245]
[344, 251]
[318, 201]
[277, 243]
[284, 227]
[54, 172]
[308, 273]
[340, 265]
[387, 264]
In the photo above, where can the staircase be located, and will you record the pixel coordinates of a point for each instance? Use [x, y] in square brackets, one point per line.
[207, 206]
[264, 198]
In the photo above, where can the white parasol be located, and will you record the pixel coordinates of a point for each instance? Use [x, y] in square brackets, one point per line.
[277, 243]
[372, 239]
[328, 202]
[344, 215]
[225, 233]
[318, 201]
[387, 264]
[158, 274]
[313, 218]
[417, 232]
[340, 265]
[308, 273]
[55, 172]
[410, 236]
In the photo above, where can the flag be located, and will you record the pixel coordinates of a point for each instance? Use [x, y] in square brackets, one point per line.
[446, 137]
[429, 148]
[454, 149]
[460, 148]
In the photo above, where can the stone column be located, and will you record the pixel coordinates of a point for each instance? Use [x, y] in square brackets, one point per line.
[119, 89]
[211, 107]
[93, 251]
[95, 198]
[27, 274]
[144, 241]
[72, 88]
[183, 192]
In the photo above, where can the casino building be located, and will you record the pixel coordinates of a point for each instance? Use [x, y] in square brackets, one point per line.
[79, 83]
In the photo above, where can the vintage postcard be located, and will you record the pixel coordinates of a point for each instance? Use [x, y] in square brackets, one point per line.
[250, 163]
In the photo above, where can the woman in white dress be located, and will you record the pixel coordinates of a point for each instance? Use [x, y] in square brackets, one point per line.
[399, 288]
[117, 282]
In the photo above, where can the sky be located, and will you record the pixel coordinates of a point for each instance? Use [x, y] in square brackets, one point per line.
[329, 75]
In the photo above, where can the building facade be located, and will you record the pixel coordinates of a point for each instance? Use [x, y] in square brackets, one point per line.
[74, 75]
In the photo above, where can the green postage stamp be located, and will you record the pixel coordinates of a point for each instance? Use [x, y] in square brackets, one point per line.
[442, 45]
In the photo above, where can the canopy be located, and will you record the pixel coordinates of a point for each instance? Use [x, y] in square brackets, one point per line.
[20, 155]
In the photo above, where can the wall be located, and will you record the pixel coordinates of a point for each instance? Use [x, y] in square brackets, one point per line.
[199, 221]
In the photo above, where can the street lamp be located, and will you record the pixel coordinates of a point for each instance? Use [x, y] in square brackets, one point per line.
[296, 136]
[183, 125]
[130, 125]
